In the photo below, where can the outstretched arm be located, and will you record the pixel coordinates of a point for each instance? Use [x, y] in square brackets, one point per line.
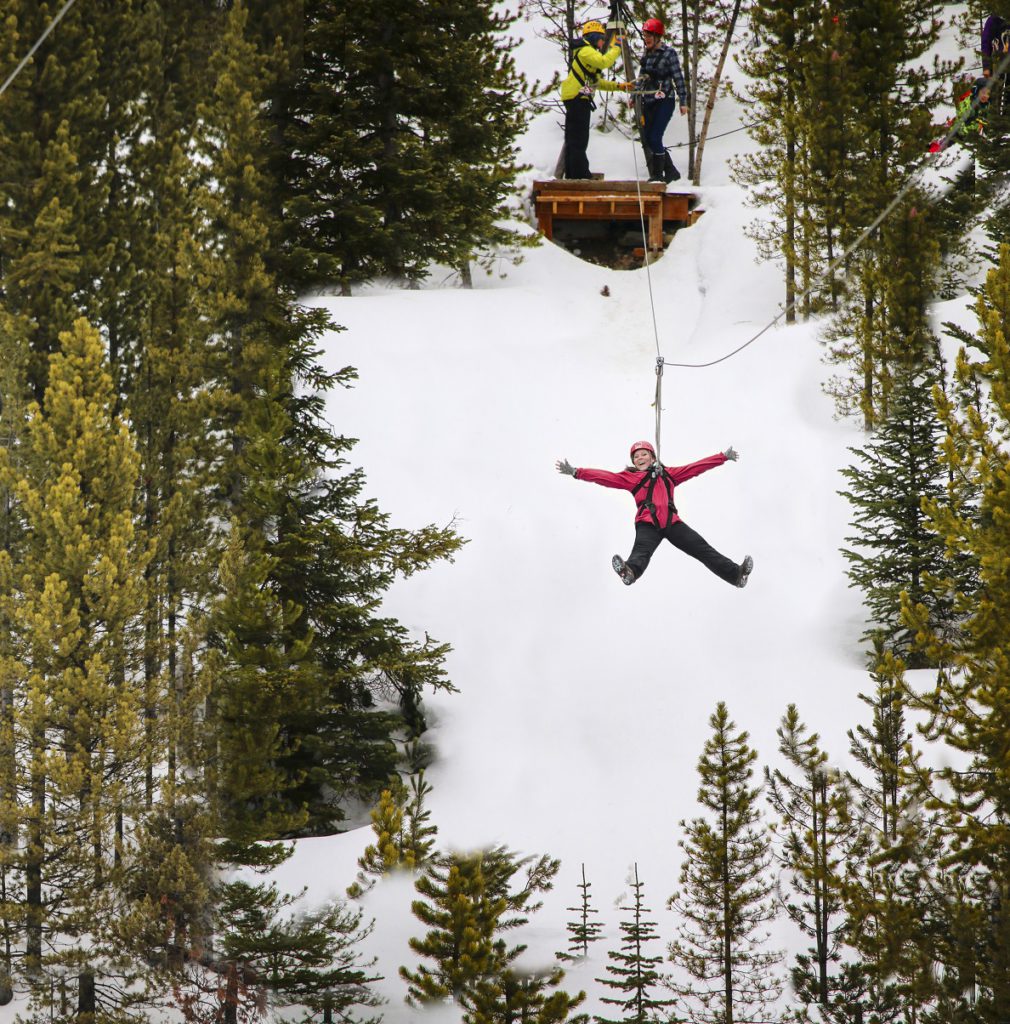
[678, 474]
[564, 466]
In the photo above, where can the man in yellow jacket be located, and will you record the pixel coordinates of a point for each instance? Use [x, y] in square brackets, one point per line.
[584, 78]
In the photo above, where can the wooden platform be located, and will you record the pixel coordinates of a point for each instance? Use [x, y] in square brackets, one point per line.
[612, 200]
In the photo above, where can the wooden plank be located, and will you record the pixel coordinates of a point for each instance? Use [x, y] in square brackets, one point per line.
[613, 209]
[676, 206]
[615, 186]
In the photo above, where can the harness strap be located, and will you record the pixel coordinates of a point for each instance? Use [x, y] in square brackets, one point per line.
[647, 501]
[590, 78]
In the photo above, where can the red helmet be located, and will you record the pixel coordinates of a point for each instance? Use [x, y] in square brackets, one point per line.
[643, 444]
[654, 25]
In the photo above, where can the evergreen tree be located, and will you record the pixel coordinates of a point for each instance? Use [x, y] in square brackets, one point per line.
[74, 602]
[882, 333]
[894, 551]
[308, 961]
[327, 558]
[334, 557]
[818, 838]
[403, 837]
[510, 996]
[634, 972]
[883, 321]
[461, 915]
[469, 903]
[775, 63]
[583, 930]
[966, 707]
[725, 895]
[394, 167]
[891, 873]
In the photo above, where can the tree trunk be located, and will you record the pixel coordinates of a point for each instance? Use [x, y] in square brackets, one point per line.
[86, 997]
[714, 90]
[868, 417]
[692, 63]
[790, 237]
[35, 857]
[229, 1012]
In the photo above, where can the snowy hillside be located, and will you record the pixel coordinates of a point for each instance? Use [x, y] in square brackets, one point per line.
[583, 704]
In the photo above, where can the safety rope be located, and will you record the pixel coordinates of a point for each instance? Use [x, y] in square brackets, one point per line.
[652, 301]
[660, 363]
[42, 38]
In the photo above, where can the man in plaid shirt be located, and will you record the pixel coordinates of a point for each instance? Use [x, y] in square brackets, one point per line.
[659, 77]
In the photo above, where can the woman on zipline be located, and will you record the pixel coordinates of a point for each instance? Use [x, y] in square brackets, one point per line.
[651, 485]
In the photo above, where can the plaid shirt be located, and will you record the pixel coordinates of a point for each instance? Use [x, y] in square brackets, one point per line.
[661, 71]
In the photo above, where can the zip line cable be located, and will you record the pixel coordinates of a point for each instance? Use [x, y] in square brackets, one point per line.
[913, 177]
[831, 267]
[42, 38]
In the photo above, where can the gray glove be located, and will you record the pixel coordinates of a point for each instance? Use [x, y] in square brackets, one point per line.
[564, 466]
[731, 454]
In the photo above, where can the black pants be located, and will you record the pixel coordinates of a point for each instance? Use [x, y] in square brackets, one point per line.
[680, 535]
[577, 114]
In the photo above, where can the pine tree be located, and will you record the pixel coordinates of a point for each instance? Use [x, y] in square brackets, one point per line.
[334, 557]
[818, 837]
[74, 601]
[883, 321]
[894, 551]
[403, 837]
[510, 996]
[966, 707]
[461, 915]
[634, 972]
[327, 557]
[775, 65]
[469, 904]
[892, 870]
[725, 895]
[307, 960]
[393, 168]
[583, 930]
[882, 332]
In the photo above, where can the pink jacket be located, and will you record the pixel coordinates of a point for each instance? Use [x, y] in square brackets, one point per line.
[638, 483]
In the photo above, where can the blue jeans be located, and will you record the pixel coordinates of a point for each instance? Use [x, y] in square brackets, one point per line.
[657, 114]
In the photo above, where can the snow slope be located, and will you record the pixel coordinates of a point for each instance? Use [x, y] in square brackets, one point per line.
[584, 704]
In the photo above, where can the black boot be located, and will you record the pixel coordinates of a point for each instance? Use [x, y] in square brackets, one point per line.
[649, 157]
[655, 161]
[670, 173]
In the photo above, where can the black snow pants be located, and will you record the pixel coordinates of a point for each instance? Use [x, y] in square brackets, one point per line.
[680, 535]
[577, 112]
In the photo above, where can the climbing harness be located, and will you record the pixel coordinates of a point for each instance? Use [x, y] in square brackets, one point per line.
[656, 472]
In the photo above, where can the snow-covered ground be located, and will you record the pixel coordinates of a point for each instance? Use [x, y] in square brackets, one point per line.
[584, 704]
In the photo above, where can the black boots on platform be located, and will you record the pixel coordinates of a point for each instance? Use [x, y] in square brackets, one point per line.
[661, 167]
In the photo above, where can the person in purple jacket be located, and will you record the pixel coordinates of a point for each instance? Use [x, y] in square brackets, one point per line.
[995, 43]
[651, 485]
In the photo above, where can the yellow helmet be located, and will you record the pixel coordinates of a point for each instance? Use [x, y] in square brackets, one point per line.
[594, 26]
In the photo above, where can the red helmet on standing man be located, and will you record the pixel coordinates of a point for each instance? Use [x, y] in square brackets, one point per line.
[654, 25]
